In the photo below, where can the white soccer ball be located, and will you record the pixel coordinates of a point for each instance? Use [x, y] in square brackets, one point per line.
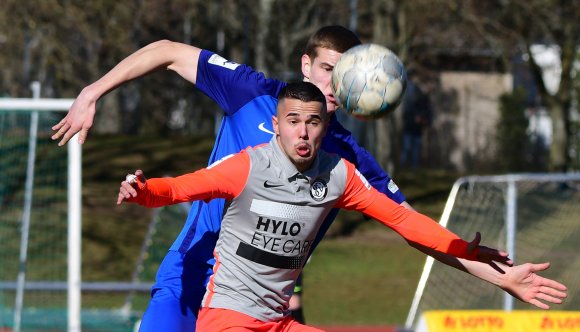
[369, 81]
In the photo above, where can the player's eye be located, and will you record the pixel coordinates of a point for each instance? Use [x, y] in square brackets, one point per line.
[327, 68]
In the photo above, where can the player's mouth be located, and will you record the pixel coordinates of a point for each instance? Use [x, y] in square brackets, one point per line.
[303, 149]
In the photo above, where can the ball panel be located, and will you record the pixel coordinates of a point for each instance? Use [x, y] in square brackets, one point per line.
[369, 81]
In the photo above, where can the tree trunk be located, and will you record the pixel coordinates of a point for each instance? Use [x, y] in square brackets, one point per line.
[559, 158]
[264, 18]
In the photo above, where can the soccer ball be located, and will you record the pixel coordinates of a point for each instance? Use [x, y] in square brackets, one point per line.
[369, 81]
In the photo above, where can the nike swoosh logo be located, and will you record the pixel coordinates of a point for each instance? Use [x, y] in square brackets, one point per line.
[264, 129]
[270, 185]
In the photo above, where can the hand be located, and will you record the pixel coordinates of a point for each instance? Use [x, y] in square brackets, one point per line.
[78, 119]
[127, 191]
[486, 254]
[522, 282]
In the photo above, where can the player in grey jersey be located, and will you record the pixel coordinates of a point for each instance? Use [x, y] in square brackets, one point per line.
[279, 195]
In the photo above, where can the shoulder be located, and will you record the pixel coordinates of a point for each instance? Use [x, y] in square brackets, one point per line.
[331, 162]
[218, 65]
[259, 154]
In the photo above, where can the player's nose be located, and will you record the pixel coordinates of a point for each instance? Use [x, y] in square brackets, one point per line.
[303, 131]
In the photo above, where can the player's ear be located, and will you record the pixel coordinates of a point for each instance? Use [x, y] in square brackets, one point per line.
[275, 124]
[306, 66]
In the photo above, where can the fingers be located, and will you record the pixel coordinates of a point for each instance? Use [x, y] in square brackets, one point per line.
[120, 198]
[553, 293]
[487, 254]
[83, 135]
[60, 124]
[539, 304]
[553, 285]
[61, 128]
[126, 192]
[539, 267]
[547, 294]
[549, 298]
[505, 258]
[67, 136]
[65, 130]
[140, 176]
[474, 243]
[549, 286]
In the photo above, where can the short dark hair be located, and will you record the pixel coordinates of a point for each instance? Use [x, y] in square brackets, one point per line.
[303, 91]
[332, 37]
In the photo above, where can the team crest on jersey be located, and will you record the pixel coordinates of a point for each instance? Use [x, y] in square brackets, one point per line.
[318, 190]
[219, 61]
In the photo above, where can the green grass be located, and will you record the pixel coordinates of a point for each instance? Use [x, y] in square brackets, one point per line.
[362, 273]
[364, 279]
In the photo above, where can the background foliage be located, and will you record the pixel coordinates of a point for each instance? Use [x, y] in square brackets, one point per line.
[68, 44]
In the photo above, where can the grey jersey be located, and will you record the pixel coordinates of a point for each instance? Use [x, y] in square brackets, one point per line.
[267, 231]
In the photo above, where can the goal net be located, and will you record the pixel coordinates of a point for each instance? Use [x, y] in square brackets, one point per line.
[39, 216]
[532, 216]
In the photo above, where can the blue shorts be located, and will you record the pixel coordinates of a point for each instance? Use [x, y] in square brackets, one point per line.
[176, 295]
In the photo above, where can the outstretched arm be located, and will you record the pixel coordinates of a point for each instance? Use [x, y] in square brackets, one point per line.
[359, 195]
[225, 178]
[178, 57]
[521, 281]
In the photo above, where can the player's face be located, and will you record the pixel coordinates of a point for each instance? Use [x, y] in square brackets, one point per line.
[299, 127]
[319, 72]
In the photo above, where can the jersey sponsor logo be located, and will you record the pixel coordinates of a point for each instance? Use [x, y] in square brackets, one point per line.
[280, 236]
[363, 179]
[263, 128]
[269, 259]
[271, 185]
[279, 227]
[219, 61]
[392, 186]
[318, 190]
[217, 162]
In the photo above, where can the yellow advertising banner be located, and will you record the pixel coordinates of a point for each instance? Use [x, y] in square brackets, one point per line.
[500, 321]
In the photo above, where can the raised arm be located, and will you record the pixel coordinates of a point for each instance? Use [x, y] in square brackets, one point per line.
[178, 57]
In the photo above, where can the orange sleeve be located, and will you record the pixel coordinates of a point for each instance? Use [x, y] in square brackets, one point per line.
[414, 227]
[225, 178]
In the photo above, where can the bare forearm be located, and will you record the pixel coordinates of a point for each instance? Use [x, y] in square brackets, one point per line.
[160, 54]
[478, 269]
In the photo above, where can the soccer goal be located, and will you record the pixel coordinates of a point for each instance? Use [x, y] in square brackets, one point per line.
[535, 217]
[40, 211]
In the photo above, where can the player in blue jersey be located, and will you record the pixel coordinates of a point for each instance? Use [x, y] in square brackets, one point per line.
[248, 100]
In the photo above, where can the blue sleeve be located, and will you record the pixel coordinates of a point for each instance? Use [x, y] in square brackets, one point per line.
[340, 141]
[230, 84]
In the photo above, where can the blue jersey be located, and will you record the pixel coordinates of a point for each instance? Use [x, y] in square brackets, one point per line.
[249, 101]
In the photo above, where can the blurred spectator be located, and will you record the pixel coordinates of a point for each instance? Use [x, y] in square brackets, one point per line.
[417, 115]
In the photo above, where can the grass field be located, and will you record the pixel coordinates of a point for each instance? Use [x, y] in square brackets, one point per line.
[362, 273]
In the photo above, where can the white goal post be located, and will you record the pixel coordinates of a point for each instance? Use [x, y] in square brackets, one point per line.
[34, 106]
[532, 216]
